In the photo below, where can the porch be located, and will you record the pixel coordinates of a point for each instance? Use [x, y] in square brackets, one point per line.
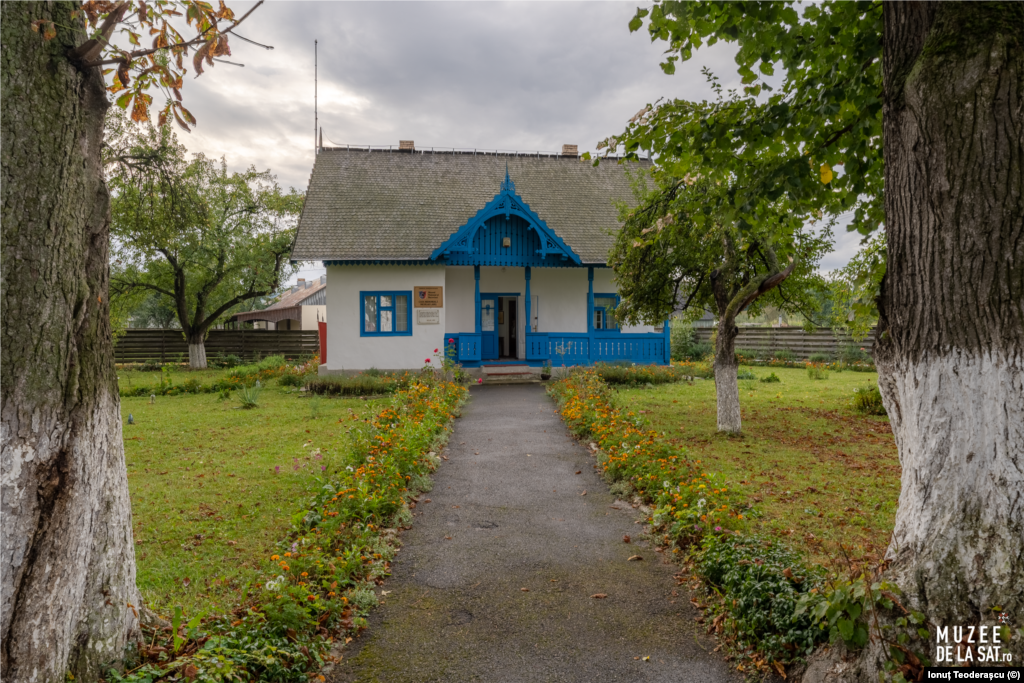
[494, 339]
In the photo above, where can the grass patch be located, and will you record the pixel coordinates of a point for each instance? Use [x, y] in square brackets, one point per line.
[817, 473]
[263, 591]
[213, 487]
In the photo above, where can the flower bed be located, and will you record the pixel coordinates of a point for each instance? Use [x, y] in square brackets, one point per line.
[693, 509]
[318, 584]
[688, 501]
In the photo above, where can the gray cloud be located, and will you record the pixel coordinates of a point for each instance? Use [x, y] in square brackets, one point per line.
[513, 76]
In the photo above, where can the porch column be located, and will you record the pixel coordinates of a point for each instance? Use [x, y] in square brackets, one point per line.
[668, 340]
[590, 299]
[529, 320]
[590, 313]
[476, 298]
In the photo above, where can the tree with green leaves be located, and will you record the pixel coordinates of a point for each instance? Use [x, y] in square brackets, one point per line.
[205, 239]
[68, 600]
[670, 257]
[936, 92]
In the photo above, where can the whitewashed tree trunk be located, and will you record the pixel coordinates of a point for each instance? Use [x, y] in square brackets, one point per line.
[950, 349]
[67, 563]
[727, 391]
[197, 354]
[951, 333]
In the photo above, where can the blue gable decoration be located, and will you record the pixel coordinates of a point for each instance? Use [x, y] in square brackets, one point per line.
[482, 240]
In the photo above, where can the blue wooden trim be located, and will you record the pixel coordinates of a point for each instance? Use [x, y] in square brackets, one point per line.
[470, 346]
[476, 276]
[607, 295]
[536, 346]
[393, 308]
[528, 327]
[667, 333]
[507, 203]
[590, 300]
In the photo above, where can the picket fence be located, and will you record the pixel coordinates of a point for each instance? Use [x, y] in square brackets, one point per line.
[169, 346]
[764, 340]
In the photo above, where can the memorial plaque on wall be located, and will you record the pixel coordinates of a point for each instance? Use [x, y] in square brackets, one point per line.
[428, 297]
[428, 317]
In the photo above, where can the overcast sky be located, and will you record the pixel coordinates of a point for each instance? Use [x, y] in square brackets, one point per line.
[521, 76]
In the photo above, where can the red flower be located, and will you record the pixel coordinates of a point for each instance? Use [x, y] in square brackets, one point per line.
[451, 340]
[427, 360]
[435, 350]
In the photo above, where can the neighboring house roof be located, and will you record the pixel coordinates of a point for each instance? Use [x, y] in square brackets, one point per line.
[289, 306]
[390, 205]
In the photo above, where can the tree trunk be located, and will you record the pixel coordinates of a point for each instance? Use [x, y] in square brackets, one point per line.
[950, 348]
[727, 390]
[68, 561]
[197, 352]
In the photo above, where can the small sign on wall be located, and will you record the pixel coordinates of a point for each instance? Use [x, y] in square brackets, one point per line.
[428, 317]
[428, 297]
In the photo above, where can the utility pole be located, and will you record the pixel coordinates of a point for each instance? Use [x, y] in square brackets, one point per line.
[316, 145]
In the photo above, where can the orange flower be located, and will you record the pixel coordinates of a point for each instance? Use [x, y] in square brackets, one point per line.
[305, 574]
[275, 557]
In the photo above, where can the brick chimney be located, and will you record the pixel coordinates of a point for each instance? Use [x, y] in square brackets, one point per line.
[569, 151]
[406, 146]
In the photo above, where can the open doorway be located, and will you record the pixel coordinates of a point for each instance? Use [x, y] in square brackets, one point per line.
[508, 345]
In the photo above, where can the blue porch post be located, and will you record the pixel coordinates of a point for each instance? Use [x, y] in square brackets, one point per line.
[476, 298]
[529, 320]
[668, 340]
[590, 312]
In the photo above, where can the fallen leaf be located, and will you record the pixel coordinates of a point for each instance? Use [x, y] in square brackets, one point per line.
[625, 539]
[599, 596]
[634, 558]
[781, 669]
[525, 590]
[579, 471]
[190, 671]
[584, 493]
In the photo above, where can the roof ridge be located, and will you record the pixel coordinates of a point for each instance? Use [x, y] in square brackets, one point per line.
[468, 151]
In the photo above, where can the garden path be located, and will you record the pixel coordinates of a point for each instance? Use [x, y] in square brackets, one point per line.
[507, 513]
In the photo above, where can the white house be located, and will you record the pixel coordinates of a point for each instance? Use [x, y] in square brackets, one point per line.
[502, 256]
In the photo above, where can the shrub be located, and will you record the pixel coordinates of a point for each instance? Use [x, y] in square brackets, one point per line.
[851, 353]
[819, 358]
[293, 379]
[623, 372]
[764, 583]
[817, 371]
[250, 396]
[224, 361]
[768, 379]
[744, 373]
[783, 354]
[363, 384]
[685, 343]
[868, 401]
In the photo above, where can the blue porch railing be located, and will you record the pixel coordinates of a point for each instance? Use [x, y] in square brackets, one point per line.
[577, 348]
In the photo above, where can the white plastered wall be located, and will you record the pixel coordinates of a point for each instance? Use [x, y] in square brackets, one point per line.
[309, 316]
[561, 292]
[347, 350]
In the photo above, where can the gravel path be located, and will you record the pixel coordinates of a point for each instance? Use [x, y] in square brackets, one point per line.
[495, 579]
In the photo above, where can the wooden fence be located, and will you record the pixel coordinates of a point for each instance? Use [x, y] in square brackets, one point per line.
[168, 346]
[802, 344]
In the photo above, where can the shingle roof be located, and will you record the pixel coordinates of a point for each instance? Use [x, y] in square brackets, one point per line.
[364, 205]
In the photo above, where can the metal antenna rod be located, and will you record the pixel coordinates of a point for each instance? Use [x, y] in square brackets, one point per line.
[316, 147]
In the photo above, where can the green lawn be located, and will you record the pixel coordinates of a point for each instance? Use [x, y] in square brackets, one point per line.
[214, 487]
[819, 474]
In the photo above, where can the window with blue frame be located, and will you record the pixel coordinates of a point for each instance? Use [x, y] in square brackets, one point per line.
[385, 314]
[604, 312]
